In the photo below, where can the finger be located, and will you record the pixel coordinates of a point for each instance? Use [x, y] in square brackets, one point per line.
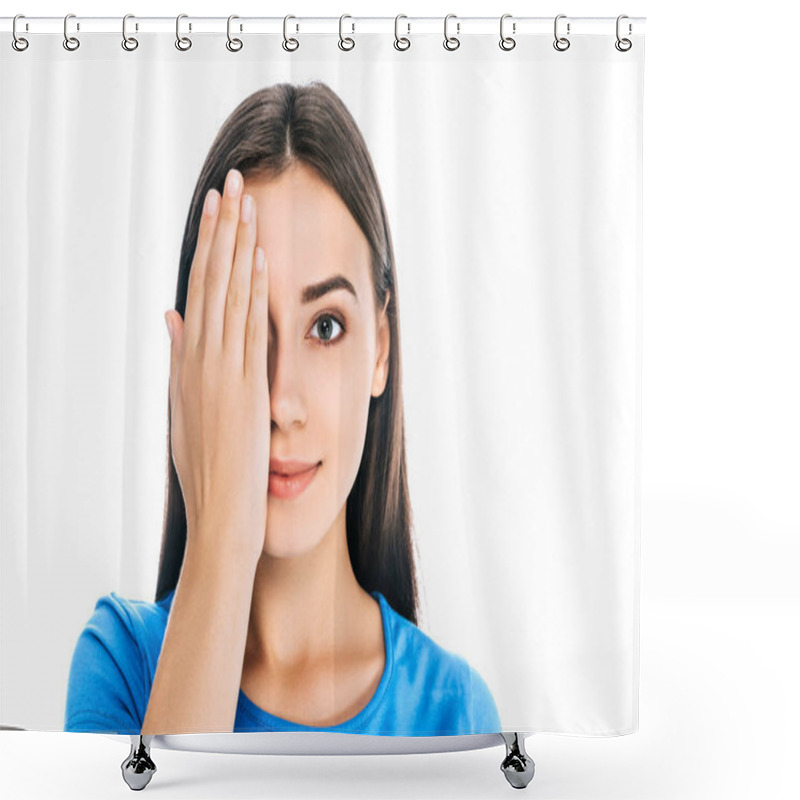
[238, 298]
[205, 236]
[220, 260]
[255, 356]
[175, 327]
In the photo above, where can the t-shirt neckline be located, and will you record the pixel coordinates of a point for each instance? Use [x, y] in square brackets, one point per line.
[259, 714]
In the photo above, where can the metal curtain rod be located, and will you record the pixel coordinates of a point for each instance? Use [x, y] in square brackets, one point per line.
[324, 25]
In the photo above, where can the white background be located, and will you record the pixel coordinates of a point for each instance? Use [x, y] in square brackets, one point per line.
[720, 442]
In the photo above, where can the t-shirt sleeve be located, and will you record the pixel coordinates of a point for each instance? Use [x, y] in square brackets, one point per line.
[106, 675]
[485, 718]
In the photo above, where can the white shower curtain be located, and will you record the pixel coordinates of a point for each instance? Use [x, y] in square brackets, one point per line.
[512, 188]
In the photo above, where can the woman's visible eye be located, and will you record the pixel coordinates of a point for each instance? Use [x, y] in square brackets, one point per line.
[324, 324]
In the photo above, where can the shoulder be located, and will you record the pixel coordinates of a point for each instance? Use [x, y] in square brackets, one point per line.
[441, 680]
[113, 664]
[122, 624]
[138, 616]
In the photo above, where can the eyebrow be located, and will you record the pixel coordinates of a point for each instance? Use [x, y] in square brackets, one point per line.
[317, 290]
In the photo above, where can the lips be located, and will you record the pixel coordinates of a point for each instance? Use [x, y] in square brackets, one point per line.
[291, 484]
[290, 467]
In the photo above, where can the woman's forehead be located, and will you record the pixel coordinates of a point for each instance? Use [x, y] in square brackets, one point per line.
[306, 230]
[299, 204]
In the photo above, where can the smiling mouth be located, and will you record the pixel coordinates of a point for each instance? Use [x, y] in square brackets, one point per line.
[293, 474]
[287, 487]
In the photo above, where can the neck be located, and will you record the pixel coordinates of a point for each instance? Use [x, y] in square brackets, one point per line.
[305, 609]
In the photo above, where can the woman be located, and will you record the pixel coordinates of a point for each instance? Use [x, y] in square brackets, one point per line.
[286, 596]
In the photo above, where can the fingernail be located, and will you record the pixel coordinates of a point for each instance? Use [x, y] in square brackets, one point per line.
[169, 325]
[234, 183]
[211, 202]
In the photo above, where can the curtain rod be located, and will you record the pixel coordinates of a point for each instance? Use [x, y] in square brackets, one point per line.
[326, 25]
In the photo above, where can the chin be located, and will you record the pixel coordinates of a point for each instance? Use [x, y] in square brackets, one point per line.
[287, 543]
[285, 550]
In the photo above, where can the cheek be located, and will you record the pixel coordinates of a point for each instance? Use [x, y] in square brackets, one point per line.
[341, 405]
[338, 400]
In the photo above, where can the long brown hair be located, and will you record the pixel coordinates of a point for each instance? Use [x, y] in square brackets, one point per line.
[266, 133]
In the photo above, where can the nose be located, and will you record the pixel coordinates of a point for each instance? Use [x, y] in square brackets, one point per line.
[287, 404]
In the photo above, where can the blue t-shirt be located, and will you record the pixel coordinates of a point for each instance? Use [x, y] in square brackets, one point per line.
[425, 690]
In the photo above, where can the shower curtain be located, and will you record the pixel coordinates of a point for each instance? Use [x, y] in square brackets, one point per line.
[459, 550]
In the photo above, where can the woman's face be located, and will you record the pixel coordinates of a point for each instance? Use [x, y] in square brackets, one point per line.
[328, 353]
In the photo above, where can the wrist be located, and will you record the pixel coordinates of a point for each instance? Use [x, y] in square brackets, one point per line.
[224, 547]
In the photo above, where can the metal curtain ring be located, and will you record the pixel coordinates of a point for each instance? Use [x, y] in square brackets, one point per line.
[182, 42]
[234, 45]
[506, 42]
[128, 42]
[351, 44]
[623, 45]
[561, 43]
[294, 43]
[19, 43]
[451, 42]
[70, 42]
[406, 43]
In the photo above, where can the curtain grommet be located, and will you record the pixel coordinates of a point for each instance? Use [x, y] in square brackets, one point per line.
[561, 43]
[183, 43]
[451, 42]
[289, 44]
[623, 45]
[507, 42]
[342, 39]
[406, 42]
[17, 41]
[234, 45]
[129, 43]
[70, 42]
